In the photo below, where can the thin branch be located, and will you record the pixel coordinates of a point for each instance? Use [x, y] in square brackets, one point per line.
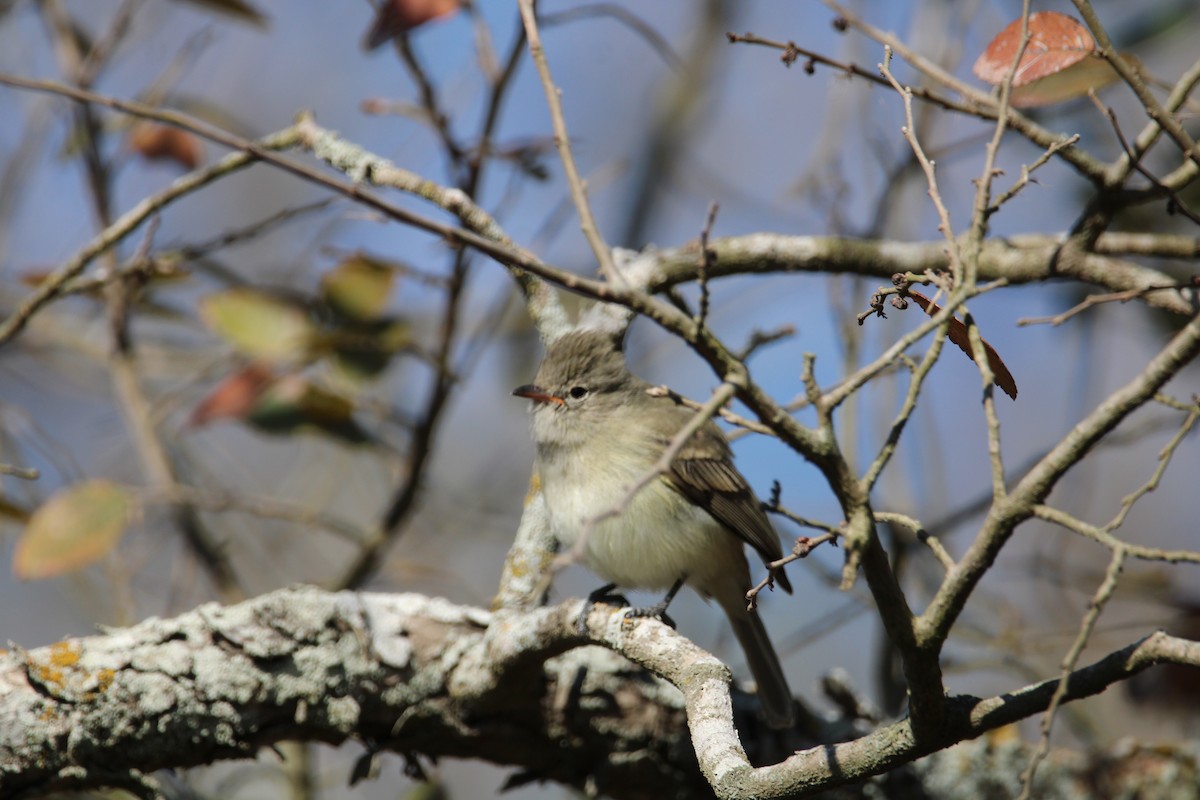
[48, 289]
[1032, 490]
[1099, 299]
[1102, 536]
[1087, 165]
[792, 53]
[25, 473]
[221, 500]
[924, 536]
[981, 212]
[909, 131]
[623, 16]
[563, 141]
[1027, 171]
[1133, 79]
[1087, 625]
[358, 164]
[706, 260]
[892, 440]
[1177, 202]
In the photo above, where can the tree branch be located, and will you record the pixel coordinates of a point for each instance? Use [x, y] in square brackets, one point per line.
[413, 674]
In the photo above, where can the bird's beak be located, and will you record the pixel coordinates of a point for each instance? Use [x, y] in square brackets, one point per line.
[537, 394]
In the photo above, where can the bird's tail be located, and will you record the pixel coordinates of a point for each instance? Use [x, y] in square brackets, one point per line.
[776, 698]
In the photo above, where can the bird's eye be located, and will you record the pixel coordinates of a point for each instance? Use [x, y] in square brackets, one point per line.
[578, 392]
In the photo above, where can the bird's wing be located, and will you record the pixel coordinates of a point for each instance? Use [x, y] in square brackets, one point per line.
[714, 484]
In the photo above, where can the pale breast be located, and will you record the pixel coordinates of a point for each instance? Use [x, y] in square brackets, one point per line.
[657, 538]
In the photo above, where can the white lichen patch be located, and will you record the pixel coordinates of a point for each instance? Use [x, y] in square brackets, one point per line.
[343, 713]
[170, 658]
[221, 674]
[155, 693]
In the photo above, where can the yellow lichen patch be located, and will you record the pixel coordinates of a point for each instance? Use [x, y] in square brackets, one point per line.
[535, 486]
[104, 679]
[51, 672]
[58, 669]
[65, 654]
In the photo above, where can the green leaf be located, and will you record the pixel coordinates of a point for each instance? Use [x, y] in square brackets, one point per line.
[74, 528]
[235, 8]
[359, 288]
[258, 324]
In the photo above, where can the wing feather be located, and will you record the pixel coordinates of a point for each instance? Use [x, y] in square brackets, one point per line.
[704, 473]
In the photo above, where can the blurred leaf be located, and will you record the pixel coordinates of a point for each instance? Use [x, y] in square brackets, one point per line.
[359, 288]
[155, 141]
[361, 354]
[1092, 72]
[957, 333]
[258, 324]
[294, 405]
[71, 530]
[209, 110]
[397, 16]
[428, 790]
[10, 509]
[235, 396]
[236, 8]
[1059, 63]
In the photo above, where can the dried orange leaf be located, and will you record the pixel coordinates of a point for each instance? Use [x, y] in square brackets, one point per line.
[155, 141]
[73, 529]
[957, 333]
[1090, 73]
[1056, 41]
[1060, 62]
[259, 324]
[397, 16]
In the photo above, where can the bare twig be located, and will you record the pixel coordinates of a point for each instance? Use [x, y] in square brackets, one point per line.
[1086, 164]
[562, 139]
[657, 42]
[1087, 625]
[1099, 299]
[1036, 485]
[218, 500]
[1177, 203]
[909, 131]
[25, 473]
[729, 416]
[1027, 171]
[1133, 79]
[1104, 537]
[706, 260]
[800, 549]
[924, 536]
[792, 53]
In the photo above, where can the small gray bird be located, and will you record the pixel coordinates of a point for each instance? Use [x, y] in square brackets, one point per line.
[597, 433]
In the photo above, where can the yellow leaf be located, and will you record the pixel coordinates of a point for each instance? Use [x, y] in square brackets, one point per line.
[258, 324]
[359, 288]
[74, 528]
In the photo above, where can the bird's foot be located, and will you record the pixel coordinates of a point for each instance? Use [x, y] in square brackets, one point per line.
[657, 611]
[605, 595]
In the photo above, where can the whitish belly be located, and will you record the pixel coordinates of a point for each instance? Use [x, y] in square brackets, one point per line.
[658, 538]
